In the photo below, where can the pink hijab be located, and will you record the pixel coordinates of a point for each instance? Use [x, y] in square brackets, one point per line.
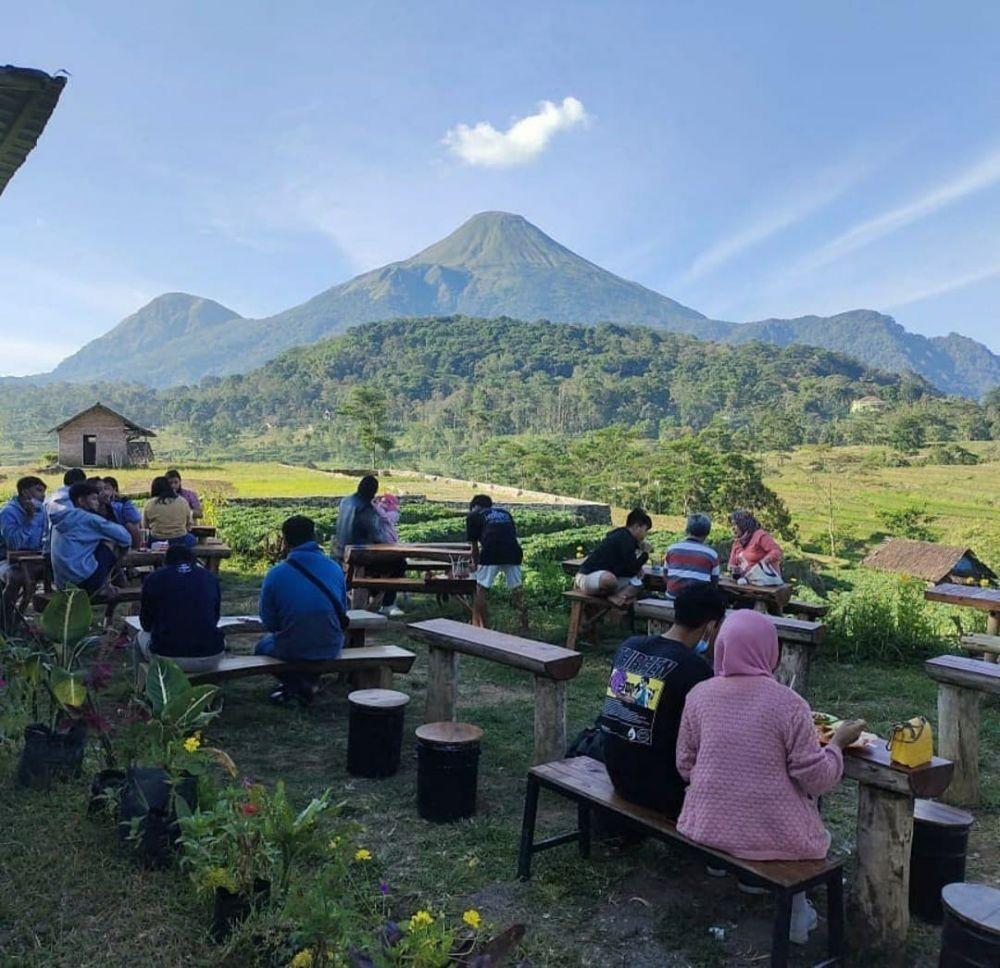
[747, 645]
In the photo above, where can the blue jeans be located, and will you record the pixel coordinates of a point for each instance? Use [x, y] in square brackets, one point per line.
[98, 578]
[184, 541]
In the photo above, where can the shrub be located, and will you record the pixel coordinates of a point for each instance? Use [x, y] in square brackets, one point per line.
[912, 521]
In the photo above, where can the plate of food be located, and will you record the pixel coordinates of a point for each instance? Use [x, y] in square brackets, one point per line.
[826, 725]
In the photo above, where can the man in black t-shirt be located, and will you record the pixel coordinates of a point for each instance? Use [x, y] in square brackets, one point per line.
[651, 676]
[495, 550]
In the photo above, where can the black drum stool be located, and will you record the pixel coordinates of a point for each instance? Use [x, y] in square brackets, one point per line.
[447, 770]
[375, 731]
[970, 937]
[937, 857]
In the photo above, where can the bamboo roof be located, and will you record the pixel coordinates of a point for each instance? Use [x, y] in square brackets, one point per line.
[27, 99]
[130, 425]
[922, 559]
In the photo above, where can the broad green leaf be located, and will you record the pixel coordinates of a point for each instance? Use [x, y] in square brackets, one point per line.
[68, 688]
[165, 683]
[68, 616]
[190, 710]
[31, 670]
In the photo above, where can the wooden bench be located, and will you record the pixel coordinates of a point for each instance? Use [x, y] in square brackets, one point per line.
[551, 666]
[798, 637]
[962, 682]
[373, 666]
[981, 645]
[586, 782]
[810, 610]
[125, 596]
[586, 613]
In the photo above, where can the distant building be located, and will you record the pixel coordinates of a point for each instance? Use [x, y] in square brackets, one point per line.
[930, 561]
[869, 404]
[100, 437]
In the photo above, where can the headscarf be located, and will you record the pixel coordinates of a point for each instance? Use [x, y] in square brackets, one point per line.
[388, 502]
[747, 645]
[747, 525]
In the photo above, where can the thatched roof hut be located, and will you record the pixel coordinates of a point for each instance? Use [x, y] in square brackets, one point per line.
[27, 100]
[928, 560]
[102, 437]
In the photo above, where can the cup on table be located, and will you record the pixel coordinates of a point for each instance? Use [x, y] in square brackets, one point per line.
[144, 536]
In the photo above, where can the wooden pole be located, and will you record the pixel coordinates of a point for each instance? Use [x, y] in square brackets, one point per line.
[993, 623]
[550, 720]
[958, 740]
[881, 915]
[793, 667]
[442, 685]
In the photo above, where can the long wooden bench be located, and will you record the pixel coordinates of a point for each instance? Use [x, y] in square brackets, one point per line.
[586, 612]
[373, 666]
[810, 610]
[125, 596]
[586, 782]
[962, 683]
[982, 645]
[798, 637]
[551, 665]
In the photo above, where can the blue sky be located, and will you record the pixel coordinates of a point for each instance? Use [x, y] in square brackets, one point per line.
[749, 160]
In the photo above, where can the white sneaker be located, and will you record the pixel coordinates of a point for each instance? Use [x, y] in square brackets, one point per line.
[804, 920]
[748, 888]
[716, 871]
[393, 611]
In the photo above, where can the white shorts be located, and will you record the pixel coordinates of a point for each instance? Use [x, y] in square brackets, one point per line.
[591, 584]
[487, 574]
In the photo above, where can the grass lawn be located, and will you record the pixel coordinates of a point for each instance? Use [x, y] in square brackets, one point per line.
[66, 898]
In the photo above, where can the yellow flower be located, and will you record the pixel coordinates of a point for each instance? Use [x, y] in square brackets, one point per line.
[363, 855]
[421, 920]
[303, 959]
[334, 844]
[192, 743]
[473, 919]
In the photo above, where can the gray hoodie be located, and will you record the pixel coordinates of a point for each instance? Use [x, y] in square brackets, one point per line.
[76, 533]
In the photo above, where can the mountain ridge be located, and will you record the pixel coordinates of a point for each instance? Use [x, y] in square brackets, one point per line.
[494, 264]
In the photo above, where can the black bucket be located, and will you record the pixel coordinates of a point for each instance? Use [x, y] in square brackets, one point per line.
[229, 909]
[937, 857]
[49, 756]
[147, 819]
[375, 732]
[968, 941]
[447, 778]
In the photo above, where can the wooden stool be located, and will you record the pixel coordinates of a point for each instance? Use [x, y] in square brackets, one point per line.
[937, 856]
[970, 937]
[375, 731]
[447, 770]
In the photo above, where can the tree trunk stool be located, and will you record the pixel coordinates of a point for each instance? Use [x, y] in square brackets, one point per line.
[447, 770]
[937, 857]
[970, 937]
[375, 731]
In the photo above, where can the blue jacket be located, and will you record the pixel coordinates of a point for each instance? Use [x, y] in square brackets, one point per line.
[76, 533]
[357, 524]
[303, 620]
[180, 606]
[17, 533]
[126, 512]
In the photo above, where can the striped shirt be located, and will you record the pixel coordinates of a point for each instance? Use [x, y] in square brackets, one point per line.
[689, 561]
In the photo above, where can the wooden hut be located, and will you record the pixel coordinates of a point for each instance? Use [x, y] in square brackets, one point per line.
[101, 437]
[930, 561]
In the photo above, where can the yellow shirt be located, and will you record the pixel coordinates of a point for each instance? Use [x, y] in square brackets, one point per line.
[167, 519]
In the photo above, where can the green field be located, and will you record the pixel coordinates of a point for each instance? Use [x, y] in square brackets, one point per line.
[68, 898]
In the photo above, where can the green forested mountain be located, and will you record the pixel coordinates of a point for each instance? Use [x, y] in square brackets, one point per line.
[495, 264]
[455, 382]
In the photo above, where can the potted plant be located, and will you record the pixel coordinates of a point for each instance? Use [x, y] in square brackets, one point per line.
[154, 796]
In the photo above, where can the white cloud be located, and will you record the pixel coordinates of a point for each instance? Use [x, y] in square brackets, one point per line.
[524, 140]
[920, 289]
[978, 177]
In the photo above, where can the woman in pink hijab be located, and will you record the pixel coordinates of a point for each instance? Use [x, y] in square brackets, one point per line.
[747, 746]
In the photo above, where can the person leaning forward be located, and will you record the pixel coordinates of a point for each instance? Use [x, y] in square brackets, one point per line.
[613, 570]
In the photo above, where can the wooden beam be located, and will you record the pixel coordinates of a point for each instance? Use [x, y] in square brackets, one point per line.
[442, 685]
[958, 740]
[958, 670]
[550, 720]
[789, 629]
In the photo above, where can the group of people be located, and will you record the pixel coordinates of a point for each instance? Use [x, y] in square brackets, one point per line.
[85, 526]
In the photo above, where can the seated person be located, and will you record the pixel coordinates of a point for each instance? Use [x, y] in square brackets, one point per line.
[357, 520]
[167, 516]
[650, 677]
[174, 477]
[85, 547]
[124, 511]
[179, 613]
[495, 551]
[22, 528]
[691, 561]
[303, 605]
[614, 568]
[60, 496]
[748, 747]
[387, 508]
[752, 546]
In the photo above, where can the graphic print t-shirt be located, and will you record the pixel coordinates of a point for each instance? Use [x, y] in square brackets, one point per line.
[650, 678]
[496, 533]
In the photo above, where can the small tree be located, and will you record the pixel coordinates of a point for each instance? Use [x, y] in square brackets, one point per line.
[367, 409]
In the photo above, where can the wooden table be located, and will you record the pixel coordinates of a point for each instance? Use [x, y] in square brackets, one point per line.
[765, 598]
[799, 639]
[970, 596]
[209, 554]
[417, 557]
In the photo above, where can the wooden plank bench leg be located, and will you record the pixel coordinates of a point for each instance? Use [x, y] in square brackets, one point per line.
[442, 685]
[379, 677]
[835, 916]
[528, 829]
[355, 638]
[550, 720]
[882, 881]
[793, 667]
[958, 740]
[575, 618]
[583, 815]
[782, 925]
